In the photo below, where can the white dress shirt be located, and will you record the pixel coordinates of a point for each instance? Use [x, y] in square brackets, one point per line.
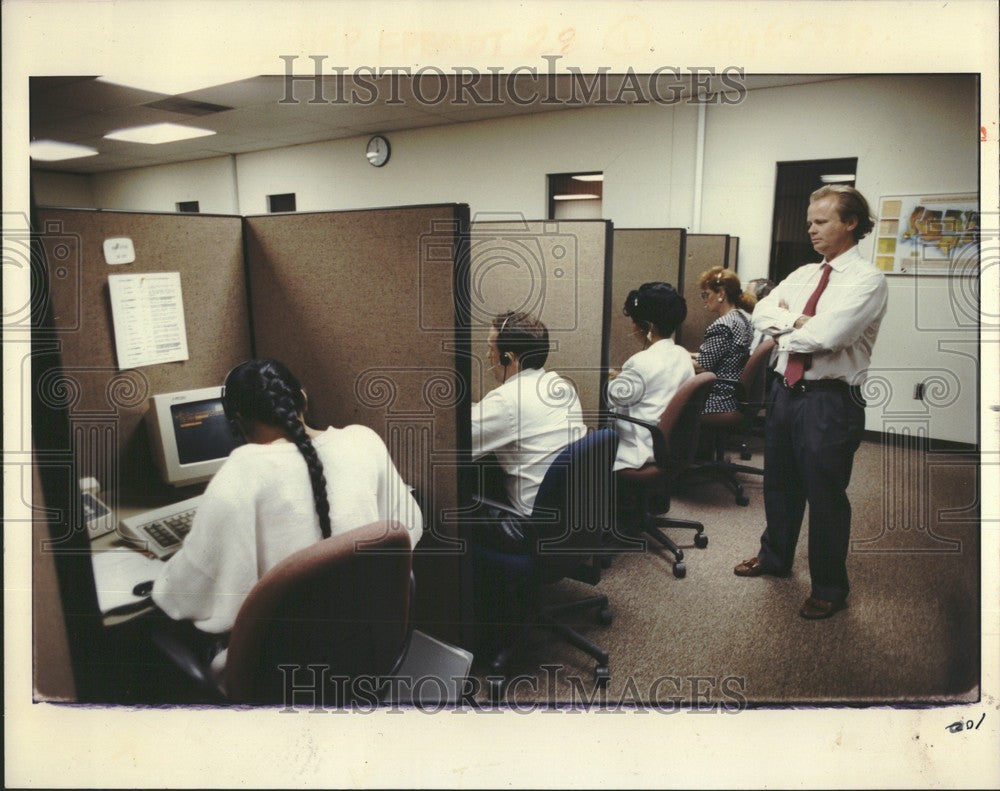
[841, 335]
[525, 422]
[259, 509]
[642, 390]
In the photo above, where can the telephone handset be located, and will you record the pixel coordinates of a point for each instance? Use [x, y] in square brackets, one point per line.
[97, 516]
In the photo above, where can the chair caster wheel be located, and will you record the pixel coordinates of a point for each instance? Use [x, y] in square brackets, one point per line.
[700, 540]
[606, 615]
[680, 570]
[742, 499]
[602, 676]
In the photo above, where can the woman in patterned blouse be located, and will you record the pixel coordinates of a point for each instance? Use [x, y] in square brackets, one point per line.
[726, 347]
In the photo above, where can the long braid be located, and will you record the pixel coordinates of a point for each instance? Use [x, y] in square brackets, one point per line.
[265, 391]
[286, 411]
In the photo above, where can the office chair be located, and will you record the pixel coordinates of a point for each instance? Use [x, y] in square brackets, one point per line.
[342, 604]
[331, 621]
[645, 493]
[566, 531]
[721, 426]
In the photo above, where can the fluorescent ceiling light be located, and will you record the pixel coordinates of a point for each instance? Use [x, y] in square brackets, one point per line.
[154, 134]
[576, 196]
[53, 150]
[835, 178]
[172, 84]
[590, 177]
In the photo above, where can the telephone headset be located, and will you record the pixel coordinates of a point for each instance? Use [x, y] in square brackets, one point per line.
[505, 358]
[231, 416]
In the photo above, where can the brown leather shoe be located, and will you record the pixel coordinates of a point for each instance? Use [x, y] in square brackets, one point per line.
[754, 568]
[817, 609]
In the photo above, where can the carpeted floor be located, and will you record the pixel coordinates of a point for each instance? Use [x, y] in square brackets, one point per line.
[714, 640]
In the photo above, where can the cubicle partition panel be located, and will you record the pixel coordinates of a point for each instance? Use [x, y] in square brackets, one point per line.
[367, 308]
[558, 271]
[106, 403]
[87, 410]
[732, 257]
[703, 251]
[641, 255]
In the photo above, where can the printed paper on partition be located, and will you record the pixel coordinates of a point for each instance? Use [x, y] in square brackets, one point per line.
[148, 313]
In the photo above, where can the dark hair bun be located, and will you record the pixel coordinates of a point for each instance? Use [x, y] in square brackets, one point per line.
[656, 303]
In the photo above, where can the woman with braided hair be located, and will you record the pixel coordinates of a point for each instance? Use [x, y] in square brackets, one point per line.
[289, 486]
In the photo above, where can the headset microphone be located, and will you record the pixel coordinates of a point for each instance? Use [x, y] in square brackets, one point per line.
[505, 358]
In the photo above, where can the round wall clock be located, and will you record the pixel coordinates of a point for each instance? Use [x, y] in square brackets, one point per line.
[377, 152]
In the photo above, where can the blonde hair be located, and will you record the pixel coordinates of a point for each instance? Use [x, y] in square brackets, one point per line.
[720, 279]
[850, 203]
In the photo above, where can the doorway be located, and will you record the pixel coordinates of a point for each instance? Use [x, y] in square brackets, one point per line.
[796, 181]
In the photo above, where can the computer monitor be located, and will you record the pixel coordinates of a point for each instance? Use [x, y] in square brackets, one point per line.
[190, 434]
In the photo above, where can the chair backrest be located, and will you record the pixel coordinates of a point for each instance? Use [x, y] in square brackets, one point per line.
[342, 603]
[574, 507]
[680, 423]
[753, 377]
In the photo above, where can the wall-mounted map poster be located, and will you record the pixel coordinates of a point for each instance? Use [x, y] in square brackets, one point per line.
[928, 234]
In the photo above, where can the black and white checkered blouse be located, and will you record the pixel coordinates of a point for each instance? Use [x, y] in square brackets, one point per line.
[724, 352]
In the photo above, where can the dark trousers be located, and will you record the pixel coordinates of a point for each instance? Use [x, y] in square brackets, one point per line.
[499, 600]
[809, 447]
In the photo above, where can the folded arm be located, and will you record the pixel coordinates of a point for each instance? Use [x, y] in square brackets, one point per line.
[854, 309]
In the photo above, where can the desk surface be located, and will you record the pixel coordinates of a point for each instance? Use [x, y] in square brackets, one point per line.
[115, 575]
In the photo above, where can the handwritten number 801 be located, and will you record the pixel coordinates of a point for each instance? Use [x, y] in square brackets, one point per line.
[959, 726]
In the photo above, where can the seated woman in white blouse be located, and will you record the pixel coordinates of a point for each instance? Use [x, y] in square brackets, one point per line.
[650, 377]
[288, 487]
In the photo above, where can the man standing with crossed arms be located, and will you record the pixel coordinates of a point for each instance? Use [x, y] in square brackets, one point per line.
[825, 318]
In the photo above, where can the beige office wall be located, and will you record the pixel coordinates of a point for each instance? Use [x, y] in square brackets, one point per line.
[494, 166]
[62, 189]
[211, 182]
[555, 271]
[641, 255]
[911, 134]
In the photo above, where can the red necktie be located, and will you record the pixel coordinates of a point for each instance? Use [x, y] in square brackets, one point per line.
[796, 365]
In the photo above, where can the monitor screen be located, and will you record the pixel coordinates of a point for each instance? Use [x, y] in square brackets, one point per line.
[190, 434]
[201, 430]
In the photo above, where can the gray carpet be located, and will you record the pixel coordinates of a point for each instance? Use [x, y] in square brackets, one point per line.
[714, 640]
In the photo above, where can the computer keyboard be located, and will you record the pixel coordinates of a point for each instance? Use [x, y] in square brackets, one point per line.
[161, 530]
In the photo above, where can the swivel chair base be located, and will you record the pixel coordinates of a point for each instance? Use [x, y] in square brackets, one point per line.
[546, 618]
[651, 527]
[724, 472]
